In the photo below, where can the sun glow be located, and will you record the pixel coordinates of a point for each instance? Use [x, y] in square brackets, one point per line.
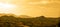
[7, 8]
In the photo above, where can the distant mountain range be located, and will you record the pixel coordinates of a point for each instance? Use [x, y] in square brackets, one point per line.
[24, 16]
[21, 16]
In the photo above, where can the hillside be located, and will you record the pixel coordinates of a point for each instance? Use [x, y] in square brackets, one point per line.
[34, 21]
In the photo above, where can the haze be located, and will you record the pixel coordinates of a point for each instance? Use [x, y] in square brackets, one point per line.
[48, 8]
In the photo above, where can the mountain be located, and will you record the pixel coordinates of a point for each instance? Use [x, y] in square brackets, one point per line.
[24, 16]
[3, 14]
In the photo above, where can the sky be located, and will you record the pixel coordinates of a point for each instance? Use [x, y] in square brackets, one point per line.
[34, 8]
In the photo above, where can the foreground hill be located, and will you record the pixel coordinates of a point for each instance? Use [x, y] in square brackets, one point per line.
[31, 22]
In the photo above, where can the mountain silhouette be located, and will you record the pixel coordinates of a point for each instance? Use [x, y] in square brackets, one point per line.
[24, 16]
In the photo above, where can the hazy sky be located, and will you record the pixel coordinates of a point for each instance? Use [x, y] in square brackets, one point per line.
[48, 8]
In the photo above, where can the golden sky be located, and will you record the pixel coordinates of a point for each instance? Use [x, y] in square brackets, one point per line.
[48, 8]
